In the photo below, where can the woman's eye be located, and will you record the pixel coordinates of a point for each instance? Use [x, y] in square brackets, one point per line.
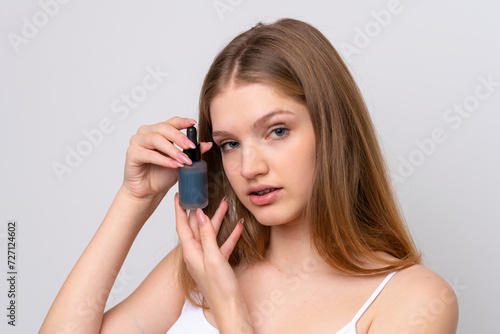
[279, 132]
[276, 133]
[227, 146]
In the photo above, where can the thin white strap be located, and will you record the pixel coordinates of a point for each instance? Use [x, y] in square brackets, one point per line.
[372, 298]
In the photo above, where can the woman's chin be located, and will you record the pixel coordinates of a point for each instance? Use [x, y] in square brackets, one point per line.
[274, 218]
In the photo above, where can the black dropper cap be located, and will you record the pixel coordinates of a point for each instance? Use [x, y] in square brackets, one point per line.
[193, 153]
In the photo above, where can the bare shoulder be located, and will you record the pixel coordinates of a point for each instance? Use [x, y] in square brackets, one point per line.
[416, 300]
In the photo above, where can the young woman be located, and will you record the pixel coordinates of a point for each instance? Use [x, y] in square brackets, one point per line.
[302, 233]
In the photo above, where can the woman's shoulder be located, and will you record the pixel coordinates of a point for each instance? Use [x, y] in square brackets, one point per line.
[420, 300]
[421, 282]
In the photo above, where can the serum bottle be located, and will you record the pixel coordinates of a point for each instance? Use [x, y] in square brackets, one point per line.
[193, 187]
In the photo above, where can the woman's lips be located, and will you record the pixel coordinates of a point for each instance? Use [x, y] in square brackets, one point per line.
[264, 199]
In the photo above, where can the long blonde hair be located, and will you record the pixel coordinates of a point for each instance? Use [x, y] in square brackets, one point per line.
[353, 212]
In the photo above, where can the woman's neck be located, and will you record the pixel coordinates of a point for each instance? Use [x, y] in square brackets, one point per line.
[290, 249]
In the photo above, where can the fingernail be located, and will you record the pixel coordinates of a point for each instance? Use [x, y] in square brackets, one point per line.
[242, 220]
[184, 158]
[178, 164]
[188, 143]
[192, 121]
[201, 216]
[223, 199]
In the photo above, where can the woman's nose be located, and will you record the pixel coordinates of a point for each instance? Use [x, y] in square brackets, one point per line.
[253, 163]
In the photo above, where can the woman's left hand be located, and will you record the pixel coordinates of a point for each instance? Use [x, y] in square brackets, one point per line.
[207, 263]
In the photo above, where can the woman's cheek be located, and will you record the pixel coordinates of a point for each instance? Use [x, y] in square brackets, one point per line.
[231, 166]
[232, 172]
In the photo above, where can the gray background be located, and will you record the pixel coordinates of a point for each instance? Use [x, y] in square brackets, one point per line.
[68, 76]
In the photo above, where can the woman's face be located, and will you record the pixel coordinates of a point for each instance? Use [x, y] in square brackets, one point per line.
[268, 151]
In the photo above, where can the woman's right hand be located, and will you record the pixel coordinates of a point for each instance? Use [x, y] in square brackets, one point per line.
[152, 159]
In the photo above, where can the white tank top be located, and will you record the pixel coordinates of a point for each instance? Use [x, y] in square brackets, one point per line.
[192, 319]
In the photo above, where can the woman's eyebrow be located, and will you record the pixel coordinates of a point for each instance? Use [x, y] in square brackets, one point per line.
[256, 124]
[267, 116]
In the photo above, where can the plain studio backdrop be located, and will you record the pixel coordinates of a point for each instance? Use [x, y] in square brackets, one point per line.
[77, 79]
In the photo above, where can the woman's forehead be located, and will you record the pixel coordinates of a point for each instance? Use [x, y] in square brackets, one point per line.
[249, 103]
[251, 106]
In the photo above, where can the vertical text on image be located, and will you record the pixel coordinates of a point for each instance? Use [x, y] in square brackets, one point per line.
[12, 272]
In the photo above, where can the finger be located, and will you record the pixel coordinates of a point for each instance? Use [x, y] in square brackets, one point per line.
[219, 215]
[177, 122]
[140, 155]
[172, 132]
[181, 225]
[228, 246]
[193, 223]
[156, 141]
[181, 122]
[205, 146]
[207, 235]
